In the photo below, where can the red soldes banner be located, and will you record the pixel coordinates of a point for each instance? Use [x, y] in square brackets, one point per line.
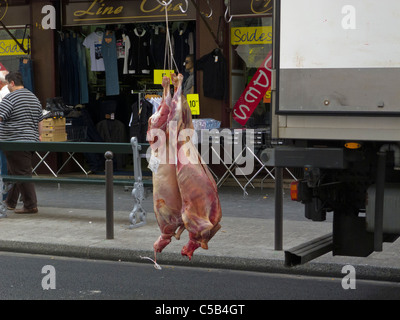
[255, 91]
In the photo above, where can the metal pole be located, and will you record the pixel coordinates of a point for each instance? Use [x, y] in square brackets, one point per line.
[379, 195]
[278, 208]
[109, 195]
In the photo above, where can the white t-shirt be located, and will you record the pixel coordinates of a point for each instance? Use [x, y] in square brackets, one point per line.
[127, 42]
[123, 46]
[3, 92]
[93, 43]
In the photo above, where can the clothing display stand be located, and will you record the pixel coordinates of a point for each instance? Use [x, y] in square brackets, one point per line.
[261, 141]
[42, 160]
[55, 174]
[71, 156]
[229, 158]
[205, 153]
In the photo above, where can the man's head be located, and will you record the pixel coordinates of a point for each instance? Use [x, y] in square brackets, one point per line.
[189, 63]
[14, 79]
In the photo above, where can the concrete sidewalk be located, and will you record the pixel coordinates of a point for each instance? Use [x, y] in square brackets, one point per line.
[242, 243]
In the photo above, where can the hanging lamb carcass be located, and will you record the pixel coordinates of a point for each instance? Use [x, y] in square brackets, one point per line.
[184, 183]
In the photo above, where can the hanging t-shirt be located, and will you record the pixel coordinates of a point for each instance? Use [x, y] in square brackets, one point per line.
[123, 46]
[139, 53]
[183, 44]
[157, 46]
[93, 42]
[127, 46]
[215, 77]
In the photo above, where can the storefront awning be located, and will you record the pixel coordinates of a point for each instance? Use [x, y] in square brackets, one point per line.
[120, 12]
[240, 8]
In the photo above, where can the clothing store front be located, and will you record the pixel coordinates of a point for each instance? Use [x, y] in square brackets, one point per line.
[249, 25]
[118, 84]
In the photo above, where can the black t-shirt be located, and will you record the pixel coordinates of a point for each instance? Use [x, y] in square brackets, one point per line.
[215, 80]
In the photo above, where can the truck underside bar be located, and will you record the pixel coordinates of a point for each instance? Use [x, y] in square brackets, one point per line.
[309, 250]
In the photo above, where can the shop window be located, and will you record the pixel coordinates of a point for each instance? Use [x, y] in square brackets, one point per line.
[109, 72]
[251, 42]
[146, 53]
[11, 55]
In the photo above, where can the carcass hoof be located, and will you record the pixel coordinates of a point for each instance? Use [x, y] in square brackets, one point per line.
[189, 248]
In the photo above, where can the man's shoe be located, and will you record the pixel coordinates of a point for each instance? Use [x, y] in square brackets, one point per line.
[8, 206]
[24, 210]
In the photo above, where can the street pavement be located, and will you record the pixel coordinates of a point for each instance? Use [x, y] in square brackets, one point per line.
[71, 222]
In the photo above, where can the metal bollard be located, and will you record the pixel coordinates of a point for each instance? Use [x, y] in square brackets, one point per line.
[109, 195]
[278, 208]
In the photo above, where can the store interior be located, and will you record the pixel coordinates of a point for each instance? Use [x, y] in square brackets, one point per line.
[113, 92]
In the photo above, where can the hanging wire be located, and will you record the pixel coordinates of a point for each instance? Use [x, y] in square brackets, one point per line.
[168, 56]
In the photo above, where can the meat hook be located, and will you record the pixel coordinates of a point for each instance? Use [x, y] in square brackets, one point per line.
[226, 12]
[187, 6]
[211, 13]
[163, 3]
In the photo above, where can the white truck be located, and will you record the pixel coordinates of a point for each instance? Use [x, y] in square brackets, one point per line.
[336, 106]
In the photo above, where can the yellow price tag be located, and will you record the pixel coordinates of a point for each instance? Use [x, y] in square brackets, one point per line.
[194, 103]
[159, 74]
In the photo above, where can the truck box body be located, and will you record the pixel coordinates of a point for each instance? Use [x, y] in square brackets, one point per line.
[336, 103]
[338, 69]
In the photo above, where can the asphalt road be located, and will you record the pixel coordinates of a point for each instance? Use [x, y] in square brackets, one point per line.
[37, 277]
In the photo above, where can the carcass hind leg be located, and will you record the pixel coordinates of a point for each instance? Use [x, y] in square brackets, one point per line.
[192, 245]
[162, 242]
[189, 248]
[179, 233]
[207, 237]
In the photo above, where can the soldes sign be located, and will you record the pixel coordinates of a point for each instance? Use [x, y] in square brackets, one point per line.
[254, 92]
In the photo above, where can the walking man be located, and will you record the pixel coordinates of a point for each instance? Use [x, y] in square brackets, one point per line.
[21, 118]
[3, 92]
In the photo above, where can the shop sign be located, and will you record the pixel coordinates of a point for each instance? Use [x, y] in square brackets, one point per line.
[3, 9]
[111, 11]
[11, 48]
[14, 15]
[252, 7]
[254, 92]
[251, 35]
